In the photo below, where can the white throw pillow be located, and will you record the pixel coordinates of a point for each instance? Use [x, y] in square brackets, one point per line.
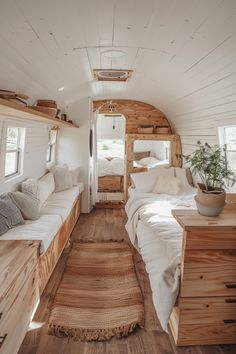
[31, 188]
[145, 181]
[75, 172]
[62, 177]
[46, 187]
[167, 185]
[180, 173]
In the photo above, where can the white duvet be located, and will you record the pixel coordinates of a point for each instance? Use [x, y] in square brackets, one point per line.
[161, 247]
[111, 168]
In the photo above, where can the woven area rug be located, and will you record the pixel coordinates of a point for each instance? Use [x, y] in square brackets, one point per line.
[99, 296]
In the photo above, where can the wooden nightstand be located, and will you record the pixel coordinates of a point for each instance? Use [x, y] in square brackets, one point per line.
[19, 291]
[206, 310]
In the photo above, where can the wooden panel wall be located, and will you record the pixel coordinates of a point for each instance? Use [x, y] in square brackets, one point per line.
[136, 113]
[34, 154]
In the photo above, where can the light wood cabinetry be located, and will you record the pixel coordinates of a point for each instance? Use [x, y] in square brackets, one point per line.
[19, 291]
[206, 309]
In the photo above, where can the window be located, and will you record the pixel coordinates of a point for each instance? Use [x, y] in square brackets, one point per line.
[52, 138]
[110, 148]
[13, 151]
[228, 139]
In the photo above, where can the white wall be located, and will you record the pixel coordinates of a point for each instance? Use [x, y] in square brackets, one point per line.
[105, 127]
[73, 145]
[34, 155]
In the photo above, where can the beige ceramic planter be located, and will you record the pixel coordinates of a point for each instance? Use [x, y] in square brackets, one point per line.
[210, 203]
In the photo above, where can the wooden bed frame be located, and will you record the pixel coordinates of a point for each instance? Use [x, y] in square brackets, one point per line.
[111, 184]
[49, 259]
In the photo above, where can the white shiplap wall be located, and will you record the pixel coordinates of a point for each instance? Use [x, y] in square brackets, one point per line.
[34, 155]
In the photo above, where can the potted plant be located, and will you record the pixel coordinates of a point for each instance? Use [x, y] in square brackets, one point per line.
[209, 163]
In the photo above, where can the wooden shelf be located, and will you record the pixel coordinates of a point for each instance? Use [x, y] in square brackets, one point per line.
[12, 109]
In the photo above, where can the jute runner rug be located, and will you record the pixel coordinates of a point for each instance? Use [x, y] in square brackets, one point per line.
[99, 296]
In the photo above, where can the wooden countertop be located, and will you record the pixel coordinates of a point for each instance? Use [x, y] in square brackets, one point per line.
[191, 220]
[14, 255]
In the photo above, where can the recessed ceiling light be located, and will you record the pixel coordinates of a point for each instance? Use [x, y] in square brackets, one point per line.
[112, 53]
[61, 88]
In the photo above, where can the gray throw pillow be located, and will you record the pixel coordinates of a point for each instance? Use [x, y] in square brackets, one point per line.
[29, 207]
[10, 215]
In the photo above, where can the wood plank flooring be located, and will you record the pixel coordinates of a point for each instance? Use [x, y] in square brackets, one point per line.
[106, 224]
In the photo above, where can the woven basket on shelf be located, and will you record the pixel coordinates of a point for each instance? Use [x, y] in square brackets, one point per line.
[145, 129]
[46, 110]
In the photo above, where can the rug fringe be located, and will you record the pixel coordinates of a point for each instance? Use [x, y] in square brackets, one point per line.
[99, 241]
[88, 335]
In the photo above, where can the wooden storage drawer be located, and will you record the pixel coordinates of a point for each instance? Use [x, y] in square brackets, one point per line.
[110, 184]
[211, 239]
[14, 326]
[8, 296]
[208, 273]
[215, 310]
[201, 333]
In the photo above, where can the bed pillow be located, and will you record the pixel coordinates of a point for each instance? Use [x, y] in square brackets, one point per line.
[181, 174]
[141, 154]
[148, 161]
[10, 215]
[28, 206]
[144, 181]
[62, 177]
[166, 184]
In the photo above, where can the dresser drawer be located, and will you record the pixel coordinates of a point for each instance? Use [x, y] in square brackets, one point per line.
[200, 333]
[9, 296]
[209, 273]
[215, 310]
[14, 326]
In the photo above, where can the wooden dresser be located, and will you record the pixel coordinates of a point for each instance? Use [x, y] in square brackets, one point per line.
[206, 310]
[18, 291]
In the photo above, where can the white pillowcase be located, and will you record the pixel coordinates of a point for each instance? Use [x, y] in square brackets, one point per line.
[46, 186]
[144, 181]
[75, 172]
[166, 184]
[62, 177]
[148, 161]
[180, 173]
[31, 188]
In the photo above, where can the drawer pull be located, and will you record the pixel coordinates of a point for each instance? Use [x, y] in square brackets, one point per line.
[1, 315]
[231, 286]
[2, 339]
[229, 321]
[230, 301]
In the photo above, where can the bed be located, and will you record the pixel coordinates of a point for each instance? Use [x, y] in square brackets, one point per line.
[158, 237]
[111, 174]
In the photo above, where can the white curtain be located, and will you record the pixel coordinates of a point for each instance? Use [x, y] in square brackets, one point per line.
[93, 175]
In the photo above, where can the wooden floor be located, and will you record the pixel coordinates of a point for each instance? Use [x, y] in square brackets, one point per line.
[106, 224]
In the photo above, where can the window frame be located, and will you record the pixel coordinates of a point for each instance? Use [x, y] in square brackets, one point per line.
[222, 139]
[51, 147]
[19, 150]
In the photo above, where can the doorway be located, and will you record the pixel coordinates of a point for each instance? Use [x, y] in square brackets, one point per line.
[110, 158]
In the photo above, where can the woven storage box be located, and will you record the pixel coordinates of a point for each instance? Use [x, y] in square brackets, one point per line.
[145, 129]
[162, 130]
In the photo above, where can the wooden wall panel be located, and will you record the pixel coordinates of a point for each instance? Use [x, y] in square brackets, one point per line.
[136, 113]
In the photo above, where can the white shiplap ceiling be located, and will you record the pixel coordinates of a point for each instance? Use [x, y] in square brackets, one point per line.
[183, 52]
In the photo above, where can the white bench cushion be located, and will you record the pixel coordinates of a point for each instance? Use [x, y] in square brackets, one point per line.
[44, 229]
[60, 203]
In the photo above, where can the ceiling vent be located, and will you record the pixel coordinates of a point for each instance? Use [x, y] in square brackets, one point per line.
[112, 74]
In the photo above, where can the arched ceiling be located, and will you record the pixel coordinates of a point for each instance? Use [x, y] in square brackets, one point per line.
[183, 52]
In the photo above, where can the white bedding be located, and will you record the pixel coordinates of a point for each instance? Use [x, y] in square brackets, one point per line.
[150, 162]
[158, 237]
[115, 167]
